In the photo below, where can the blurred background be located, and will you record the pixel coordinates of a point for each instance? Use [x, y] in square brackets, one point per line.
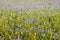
[26, 4]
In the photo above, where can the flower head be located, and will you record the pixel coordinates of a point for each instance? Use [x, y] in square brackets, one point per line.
[55, 36]
[27, 31]
[11, 30]
[43, 35]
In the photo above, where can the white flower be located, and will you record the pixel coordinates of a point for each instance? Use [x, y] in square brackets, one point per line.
[21, 30]
[55, 36]
[43, 35]
[27, 31]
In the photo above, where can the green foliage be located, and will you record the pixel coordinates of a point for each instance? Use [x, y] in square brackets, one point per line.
[30, 25]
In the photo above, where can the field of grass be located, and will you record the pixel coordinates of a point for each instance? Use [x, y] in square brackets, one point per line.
[30, 25]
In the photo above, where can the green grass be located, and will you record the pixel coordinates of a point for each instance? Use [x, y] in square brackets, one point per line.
[30, 25]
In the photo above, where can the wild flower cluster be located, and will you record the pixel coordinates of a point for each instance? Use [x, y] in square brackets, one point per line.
[30, 25]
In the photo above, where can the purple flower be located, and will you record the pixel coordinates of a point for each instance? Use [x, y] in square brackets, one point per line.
[17, 7]
[36, 28]
[38, 6]
[39, 30]
[9, 5]
[10, 16]
[11, 30]
[29, 20]
[36, 20]
[27, 31]
[17, 29]
[0, 38]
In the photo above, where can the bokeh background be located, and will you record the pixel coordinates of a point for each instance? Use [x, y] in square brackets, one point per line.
[24, 4]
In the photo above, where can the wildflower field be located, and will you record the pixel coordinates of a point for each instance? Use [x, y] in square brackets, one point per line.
[30, 24]
[29, 19]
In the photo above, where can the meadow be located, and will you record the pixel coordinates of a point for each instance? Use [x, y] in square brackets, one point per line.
[30, 24]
